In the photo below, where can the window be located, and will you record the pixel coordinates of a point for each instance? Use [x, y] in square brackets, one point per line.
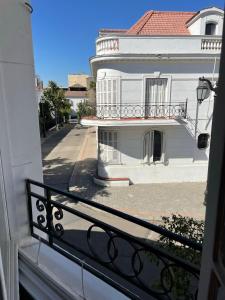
[108, 146]
[107, 91]
[153, 146]
[155, 92]
[203, 140]
[210, 29]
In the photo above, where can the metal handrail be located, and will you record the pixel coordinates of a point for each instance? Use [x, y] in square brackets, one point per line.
[51, 212]
[172, 110]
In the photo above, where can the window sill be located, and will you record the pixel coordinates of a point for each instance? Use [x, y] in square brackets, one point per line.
[46, 274]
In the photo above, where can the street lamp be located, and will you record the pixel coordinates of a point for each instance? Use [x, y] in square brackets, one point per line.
[203, 91]
[204, 88]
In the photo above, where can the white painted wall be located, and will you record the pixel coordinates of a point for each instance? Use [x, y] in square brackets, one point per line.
[197, 27]
[20, 152]
[183, 160]
[38, 95]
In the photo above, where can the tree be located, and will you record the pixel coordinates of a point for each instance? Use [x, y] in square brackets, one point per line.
[84, 109]
[59, 106]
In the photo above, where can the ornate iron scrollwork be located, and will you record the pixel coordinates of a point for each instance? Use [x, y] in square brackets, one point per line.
[145, 264]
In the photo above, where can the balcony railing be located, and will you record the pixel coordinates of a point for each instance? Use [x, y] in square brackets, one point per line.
[153, 45]
[125, 111]
[107, 46]
[211, 44]
[138, 267]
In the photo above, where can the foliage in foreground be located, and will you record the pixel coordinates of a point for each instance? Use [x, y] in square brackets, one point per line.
[184, 283]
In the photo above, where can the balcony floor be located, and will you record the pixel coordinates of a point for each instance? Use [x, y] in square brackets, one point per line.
[94, 121]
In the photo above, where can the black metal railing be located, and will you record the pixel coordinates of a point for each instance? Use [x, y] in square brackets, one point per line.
[147, 111]
[138, 267]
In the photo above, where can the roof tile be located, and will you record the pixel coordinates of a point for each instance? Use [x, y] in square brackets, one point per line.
[162, 23]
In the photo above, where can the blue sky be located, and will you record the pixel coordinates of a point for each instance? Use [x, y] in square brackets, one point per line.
[64, 32]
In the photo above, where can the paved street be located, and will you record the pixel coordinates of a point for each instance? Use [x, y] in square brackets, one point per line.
[60, 151]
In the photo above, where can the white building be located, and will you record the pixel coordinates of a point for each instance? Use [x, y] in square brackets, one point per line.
[146, 97]
[75, 98]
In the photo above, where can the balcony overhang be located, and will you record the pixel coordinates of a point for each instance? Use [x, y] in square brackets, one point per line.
[93, 121]
[165, 57]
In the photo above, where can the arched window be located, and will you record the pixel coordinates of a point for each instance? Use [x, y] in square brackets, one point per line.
[203, 140]
[210, 28]
[153, 146]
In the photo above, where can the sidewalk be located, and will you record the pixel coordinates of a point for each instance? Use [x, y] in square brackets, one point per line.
[60, 151]
[147, 201]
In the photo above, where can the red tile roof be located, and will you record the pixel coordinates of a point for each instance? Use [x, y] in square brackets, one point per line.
[162, 23]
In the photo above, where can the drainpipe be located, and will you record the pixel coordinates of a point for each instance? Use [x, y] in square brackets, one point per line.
[196, 119]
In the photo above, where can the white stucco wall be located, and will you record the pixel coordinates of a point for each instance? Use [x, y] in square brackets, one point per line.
[183, 160]
[197, 27]
[38, 95]
[20, 151]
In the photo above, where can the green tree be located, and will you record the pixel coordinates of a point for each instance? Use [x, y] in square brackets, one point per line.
[84, 109]
[58, 105]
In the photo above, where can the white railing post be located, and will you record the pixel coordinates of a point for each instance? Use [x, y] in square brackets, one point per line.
[211, 44]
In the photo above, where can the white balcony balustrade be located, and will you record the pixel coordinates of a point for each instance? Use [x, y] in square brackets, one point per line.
[211, 44]
[107, 46]
[158, 45]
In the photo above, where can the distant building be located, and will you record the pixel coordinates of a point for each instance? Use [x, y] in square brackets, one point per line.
[79, 89]
[78, 80]
[75, 97]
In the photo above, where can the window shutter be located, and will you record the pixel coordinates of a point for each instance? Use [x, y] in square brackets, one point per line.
[114, 91]
[108, 146]
[109, 91]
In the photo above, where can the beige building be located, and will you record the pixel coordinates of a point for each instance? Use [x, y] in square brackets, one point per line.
[79, 80]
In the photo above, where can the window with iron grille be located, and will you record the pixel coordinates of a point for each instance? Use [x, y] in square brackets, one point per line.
[108, 146]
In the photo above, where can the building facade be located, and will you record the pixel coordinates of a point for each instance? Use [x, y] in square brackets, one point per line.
[80, 89]
[149, 130]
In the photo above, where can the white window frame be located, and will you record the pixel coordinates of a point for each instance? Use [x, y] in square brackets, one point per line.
[105, 93]
[107, 148]
[211, 22]
[149, 159]
[158, 75]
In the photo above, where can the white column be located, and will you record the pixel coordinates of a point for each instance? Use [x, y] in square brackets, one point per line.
[20, 153]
